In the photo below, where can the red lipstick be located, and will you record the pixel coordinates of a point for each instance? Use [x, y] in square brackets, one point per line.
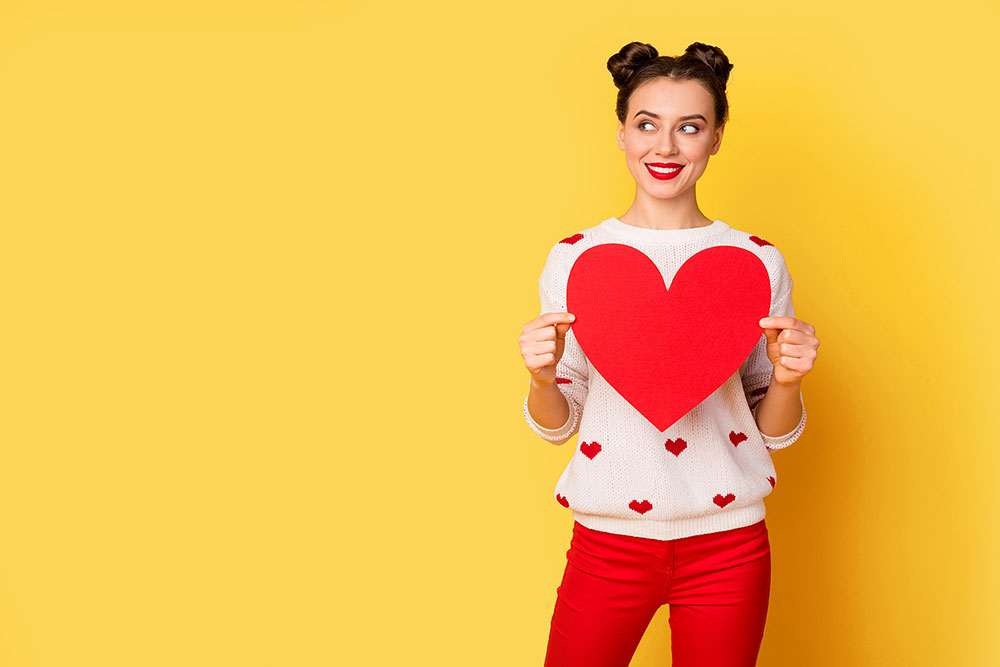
[663, 175]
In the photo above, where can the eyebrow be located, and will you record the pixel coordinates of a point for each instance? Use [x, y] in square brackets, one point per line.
[657, 117]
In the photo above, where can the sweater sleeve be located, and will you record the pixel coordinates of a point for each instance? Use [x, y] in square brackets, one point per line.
[572, 369]
[757, 369]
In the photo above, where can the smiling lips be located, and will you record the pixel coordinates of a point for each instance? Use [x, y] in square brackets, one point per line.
[663, 171]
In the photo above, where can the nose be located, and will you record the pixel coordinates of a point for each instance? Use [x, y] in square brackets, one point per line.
[666, 144]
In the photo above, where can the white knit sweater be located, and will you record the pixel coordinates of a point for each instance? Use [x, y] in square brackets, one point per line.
[711, 469]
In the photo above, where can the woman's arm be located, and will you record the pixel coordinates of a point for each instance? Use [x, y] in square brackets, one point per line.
[554, 411]
[780, 411]
[548, 406]
[777, 407]
[791, 348]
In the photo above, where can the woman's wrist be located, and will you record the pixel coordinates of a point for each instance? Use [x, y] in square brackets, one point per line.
[540, 386]
[791, 387]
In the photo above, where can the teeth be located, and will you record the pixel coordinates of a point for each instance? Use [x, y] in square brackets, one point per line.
[662, 170]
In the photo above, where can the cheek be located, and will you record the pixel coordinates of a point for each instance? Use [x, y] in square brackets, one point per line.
[702, 149]
[638, 149]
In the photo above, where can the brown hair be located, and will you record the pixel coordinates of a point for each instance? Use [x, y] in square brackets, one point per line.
[637, 63]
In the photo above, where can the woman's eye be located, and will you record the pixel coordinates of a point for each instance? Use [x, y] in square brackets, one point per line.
[646, 122]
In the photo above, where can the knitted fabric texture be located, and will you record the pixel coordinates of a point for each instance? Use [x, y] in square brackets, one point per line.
[711, 469]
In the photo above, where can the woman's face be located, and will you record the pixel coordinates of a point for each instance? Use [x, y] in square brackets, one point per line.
[668, 123]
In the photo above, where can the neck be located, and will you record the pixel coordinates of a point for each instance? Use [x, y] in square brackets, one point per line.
[675, 213]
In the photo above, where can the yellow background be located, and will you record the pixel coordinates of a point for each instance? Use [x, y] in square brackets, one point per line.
[264, 265]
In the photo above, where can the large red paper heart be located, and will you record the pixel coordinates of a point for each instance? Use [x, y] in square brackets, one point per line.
[664, 351]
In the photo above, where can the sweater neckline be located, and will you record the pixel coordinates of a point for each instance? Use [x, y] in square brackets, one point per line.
[616, 226]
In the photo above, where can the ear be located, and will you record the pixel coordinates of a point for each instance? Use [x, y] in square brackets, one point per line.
[717, 143]
[621, 137]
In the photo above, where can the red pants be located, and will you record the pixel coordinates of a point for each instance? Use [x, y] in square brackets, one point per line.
[717, 585]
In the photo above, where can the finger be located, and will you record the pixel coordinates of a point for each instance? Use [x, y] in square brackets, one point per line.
[792, 350]
[784, 328]
[794, 363]
[557, 318]
[806, 343]
[546, 320]
[783, 322]
[796, 336]
[542, 347]
[540, 361]
[550, 333]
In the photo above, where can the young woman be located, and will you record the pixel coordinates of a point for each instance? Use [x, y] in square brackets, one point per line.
[673, 517]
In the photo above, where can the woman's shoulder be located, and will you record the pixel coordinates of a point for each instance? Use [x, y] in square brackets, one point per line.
[570, 246]
[768, 253]
[755, 242]
[563, 253]
[582, 237]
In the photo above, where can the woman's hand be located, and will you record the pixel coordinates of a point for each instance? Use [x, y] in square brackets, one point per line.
[791, 347]
[542, 341]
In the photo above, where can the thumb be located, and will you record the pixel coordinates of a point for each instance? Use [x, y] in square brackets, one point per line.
[772, 335]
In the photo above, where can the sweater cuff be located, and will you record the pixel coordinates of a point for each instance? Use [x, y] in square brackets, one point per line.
[782, 441]
[556, 435]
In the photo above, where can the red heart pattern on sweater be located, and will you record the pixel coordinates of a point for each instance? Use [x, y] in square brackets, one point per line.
[723, 500]
[737, 438]
[641, 507]
[676, 446]
[590, 449]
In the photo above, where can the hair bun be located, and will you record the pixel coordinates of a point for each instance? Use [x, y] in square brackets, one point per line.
[630, 58]
[714, 58]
